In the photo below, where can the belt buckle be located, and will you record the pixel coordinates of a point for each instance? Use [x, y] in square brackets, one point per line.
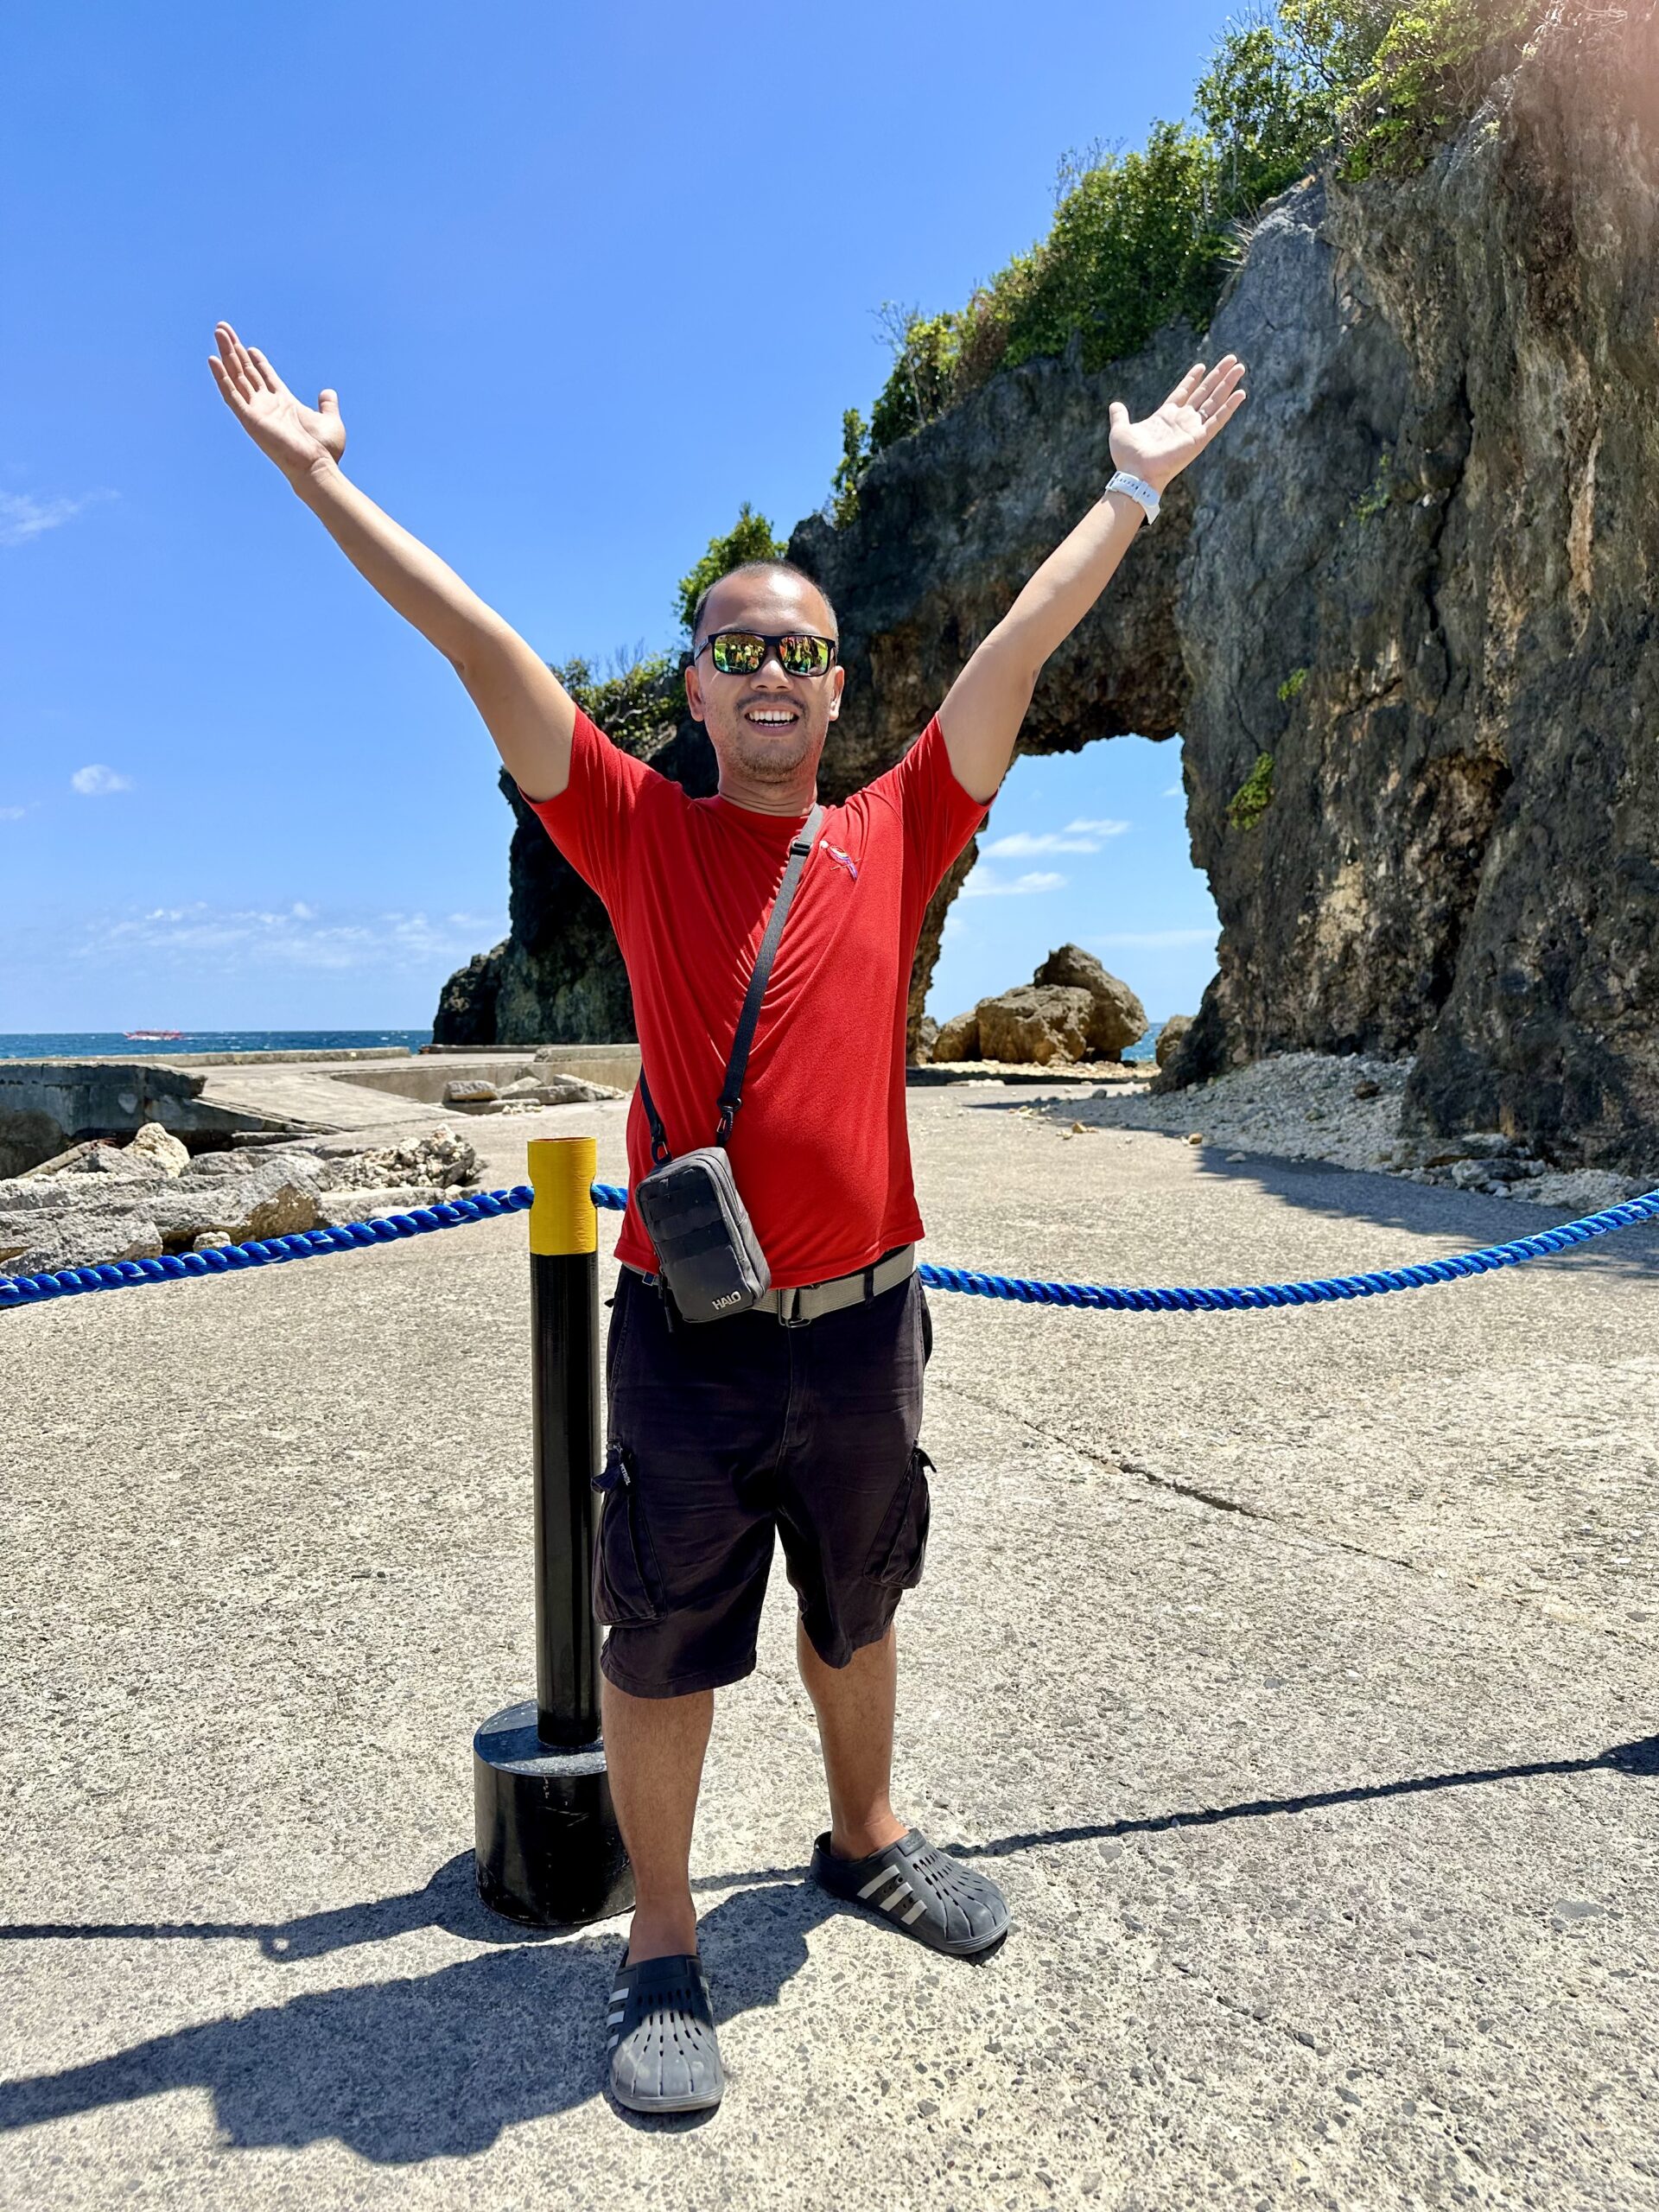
[794, 1318]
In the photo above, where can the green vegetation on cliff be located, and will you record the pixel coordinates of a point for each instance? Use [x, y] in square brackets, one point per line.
[1254, 796]
[749, 538]
[1367, 86]
[632, 701]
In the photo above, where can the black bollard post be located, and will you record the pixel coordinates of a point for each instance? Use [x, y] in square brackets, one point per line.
[548, 1847]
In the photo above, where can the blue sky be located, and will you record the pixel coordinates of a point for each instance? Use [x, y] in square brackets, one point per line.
[550, 255]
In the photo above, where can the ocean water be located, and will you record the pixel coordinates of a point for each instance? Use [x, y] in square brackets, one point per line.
[81, 1043]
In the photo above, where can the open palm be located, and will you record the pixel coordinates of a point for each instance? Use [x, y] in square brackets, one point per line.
[1162, 446]
[295, 436]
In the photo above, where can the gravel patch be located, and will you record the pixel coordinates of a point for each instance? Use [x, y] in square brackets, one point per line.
[1343, 1109]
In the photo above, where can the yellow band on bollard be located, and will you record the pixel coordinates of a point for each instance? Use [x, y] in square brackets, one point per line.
[563, 1217]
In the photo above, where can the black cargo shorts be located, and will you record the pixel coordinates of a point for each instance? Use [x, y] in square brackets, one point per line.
[722, 1432]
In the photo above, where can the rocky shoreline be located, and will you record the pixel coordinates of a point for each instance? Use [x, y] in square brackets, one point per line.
[1347, 1109]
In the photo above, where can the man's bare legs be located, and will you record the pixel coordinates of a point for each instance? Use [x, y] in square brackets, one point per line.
[855, 1705]
[654, 1749]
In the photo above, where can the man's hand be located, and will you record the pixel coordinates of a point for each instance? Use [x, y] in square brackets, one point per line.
[985, 706]
[529, 712]
[1160, 447]
[296, 437]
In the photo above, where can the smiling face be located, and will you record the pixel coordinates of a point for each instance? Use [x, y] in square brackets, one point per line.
[767, 729]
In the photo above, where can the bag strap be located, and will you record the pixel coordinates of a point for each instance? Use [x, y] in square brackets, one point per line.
[731, 1095]
[800, 851]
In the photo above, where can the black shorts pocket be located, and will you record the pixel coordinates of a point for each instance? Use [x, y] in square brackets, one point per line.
[900, 1547]
[626, 1585]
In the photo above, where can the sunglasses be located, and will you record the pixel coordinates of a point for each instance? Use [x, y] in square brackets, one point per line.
[743, 653]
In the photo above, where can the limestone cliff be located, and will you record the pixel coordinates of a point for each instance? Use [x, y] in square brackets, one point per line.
[1400, 614]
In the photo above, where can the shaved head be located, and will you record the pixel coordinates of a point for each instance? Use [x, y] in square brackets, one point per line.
[701, 623]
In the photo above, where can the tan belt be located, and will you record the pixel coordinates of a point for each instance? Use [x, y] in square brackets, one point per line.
[809, 1301]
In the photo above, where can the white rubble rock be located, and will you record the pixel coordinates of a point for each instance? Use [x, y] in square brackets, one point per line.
[155, 1143]
[1345, 1108]
[469, 1090]
[440, 1157]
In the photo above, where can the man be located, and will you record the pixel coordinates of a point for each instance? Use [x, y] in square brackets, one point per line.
[800, 1417]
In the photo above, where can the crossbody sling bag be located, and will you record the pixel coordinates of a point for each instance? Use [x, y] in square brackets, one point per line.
[711, 1261]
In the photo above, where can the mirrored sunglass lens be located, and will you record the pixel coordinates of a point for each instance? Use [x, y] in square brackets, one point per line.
[805, 656]
[737, 653]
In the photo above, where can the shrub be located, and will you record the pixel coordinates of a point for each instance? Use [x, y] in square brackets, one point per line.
[1377, 493]
[854, 459]
[1254, 796]
[1430, 72]
[749, 538]
[1292, 684]
[1141, 238]
[632, 701]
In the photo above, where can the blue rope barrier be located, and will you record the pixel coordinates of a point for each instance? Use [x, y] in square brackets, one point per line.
[455, 1213]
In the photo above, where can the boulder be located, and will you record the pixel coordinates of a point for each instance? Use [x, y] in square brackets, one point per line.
[62, 1162]
[927, 1030]
[106, 1163]
[275, 1195]
[1170, 1036]
[574, 1090]
[469, 1090]
[79, 1236]
[1117, 1018]
[1040, 1022]
[958, 1039]
[334, 1208]
[211, 1240]
[153, 1141]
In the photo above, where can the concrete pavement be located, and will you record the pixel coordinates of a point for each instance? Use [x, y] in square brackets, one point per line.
[1296, 1673]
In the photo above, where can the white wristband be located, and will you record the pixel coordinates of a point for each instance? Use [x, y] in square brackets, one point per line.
[1137, 490]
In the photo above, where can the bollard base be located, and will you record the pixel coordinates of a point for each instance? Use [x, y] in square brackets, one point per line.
[548, 1849]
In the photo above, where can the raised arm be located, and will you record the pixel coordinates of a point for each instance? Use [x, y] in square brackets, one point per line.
[985, 706]
[528, 711]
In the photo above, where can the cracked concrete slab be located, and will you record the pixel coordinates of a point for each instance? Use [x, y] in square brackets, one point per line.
[1264, 1658]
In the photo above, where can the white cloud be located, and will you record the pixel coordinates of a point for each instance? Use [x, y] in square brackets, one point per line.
[1075, 837]
[1176, 790]
[23, 517]
[984, 883]
[1150, 940]
[203, 939]
[12, 813]
[97, 781]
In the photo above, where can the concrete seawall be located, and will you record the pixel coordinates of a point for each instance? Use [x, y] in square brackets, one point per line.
[48, 1105]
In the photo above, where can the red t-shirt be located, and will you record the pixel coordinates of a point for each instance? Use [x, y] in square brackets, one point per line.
[820, 1147]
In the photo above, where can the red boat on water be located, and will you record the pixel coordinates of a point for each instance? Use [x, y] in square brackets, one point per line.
[153, 1036]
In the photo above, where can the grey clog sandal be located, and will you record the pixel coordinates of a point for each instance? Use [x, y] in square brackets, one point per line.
[663, 2055]
[925, 1893]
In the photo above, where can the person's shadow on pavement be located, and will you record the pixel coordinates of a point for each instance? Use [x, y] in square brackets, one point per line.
[439, 2064]
[435, 2065]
